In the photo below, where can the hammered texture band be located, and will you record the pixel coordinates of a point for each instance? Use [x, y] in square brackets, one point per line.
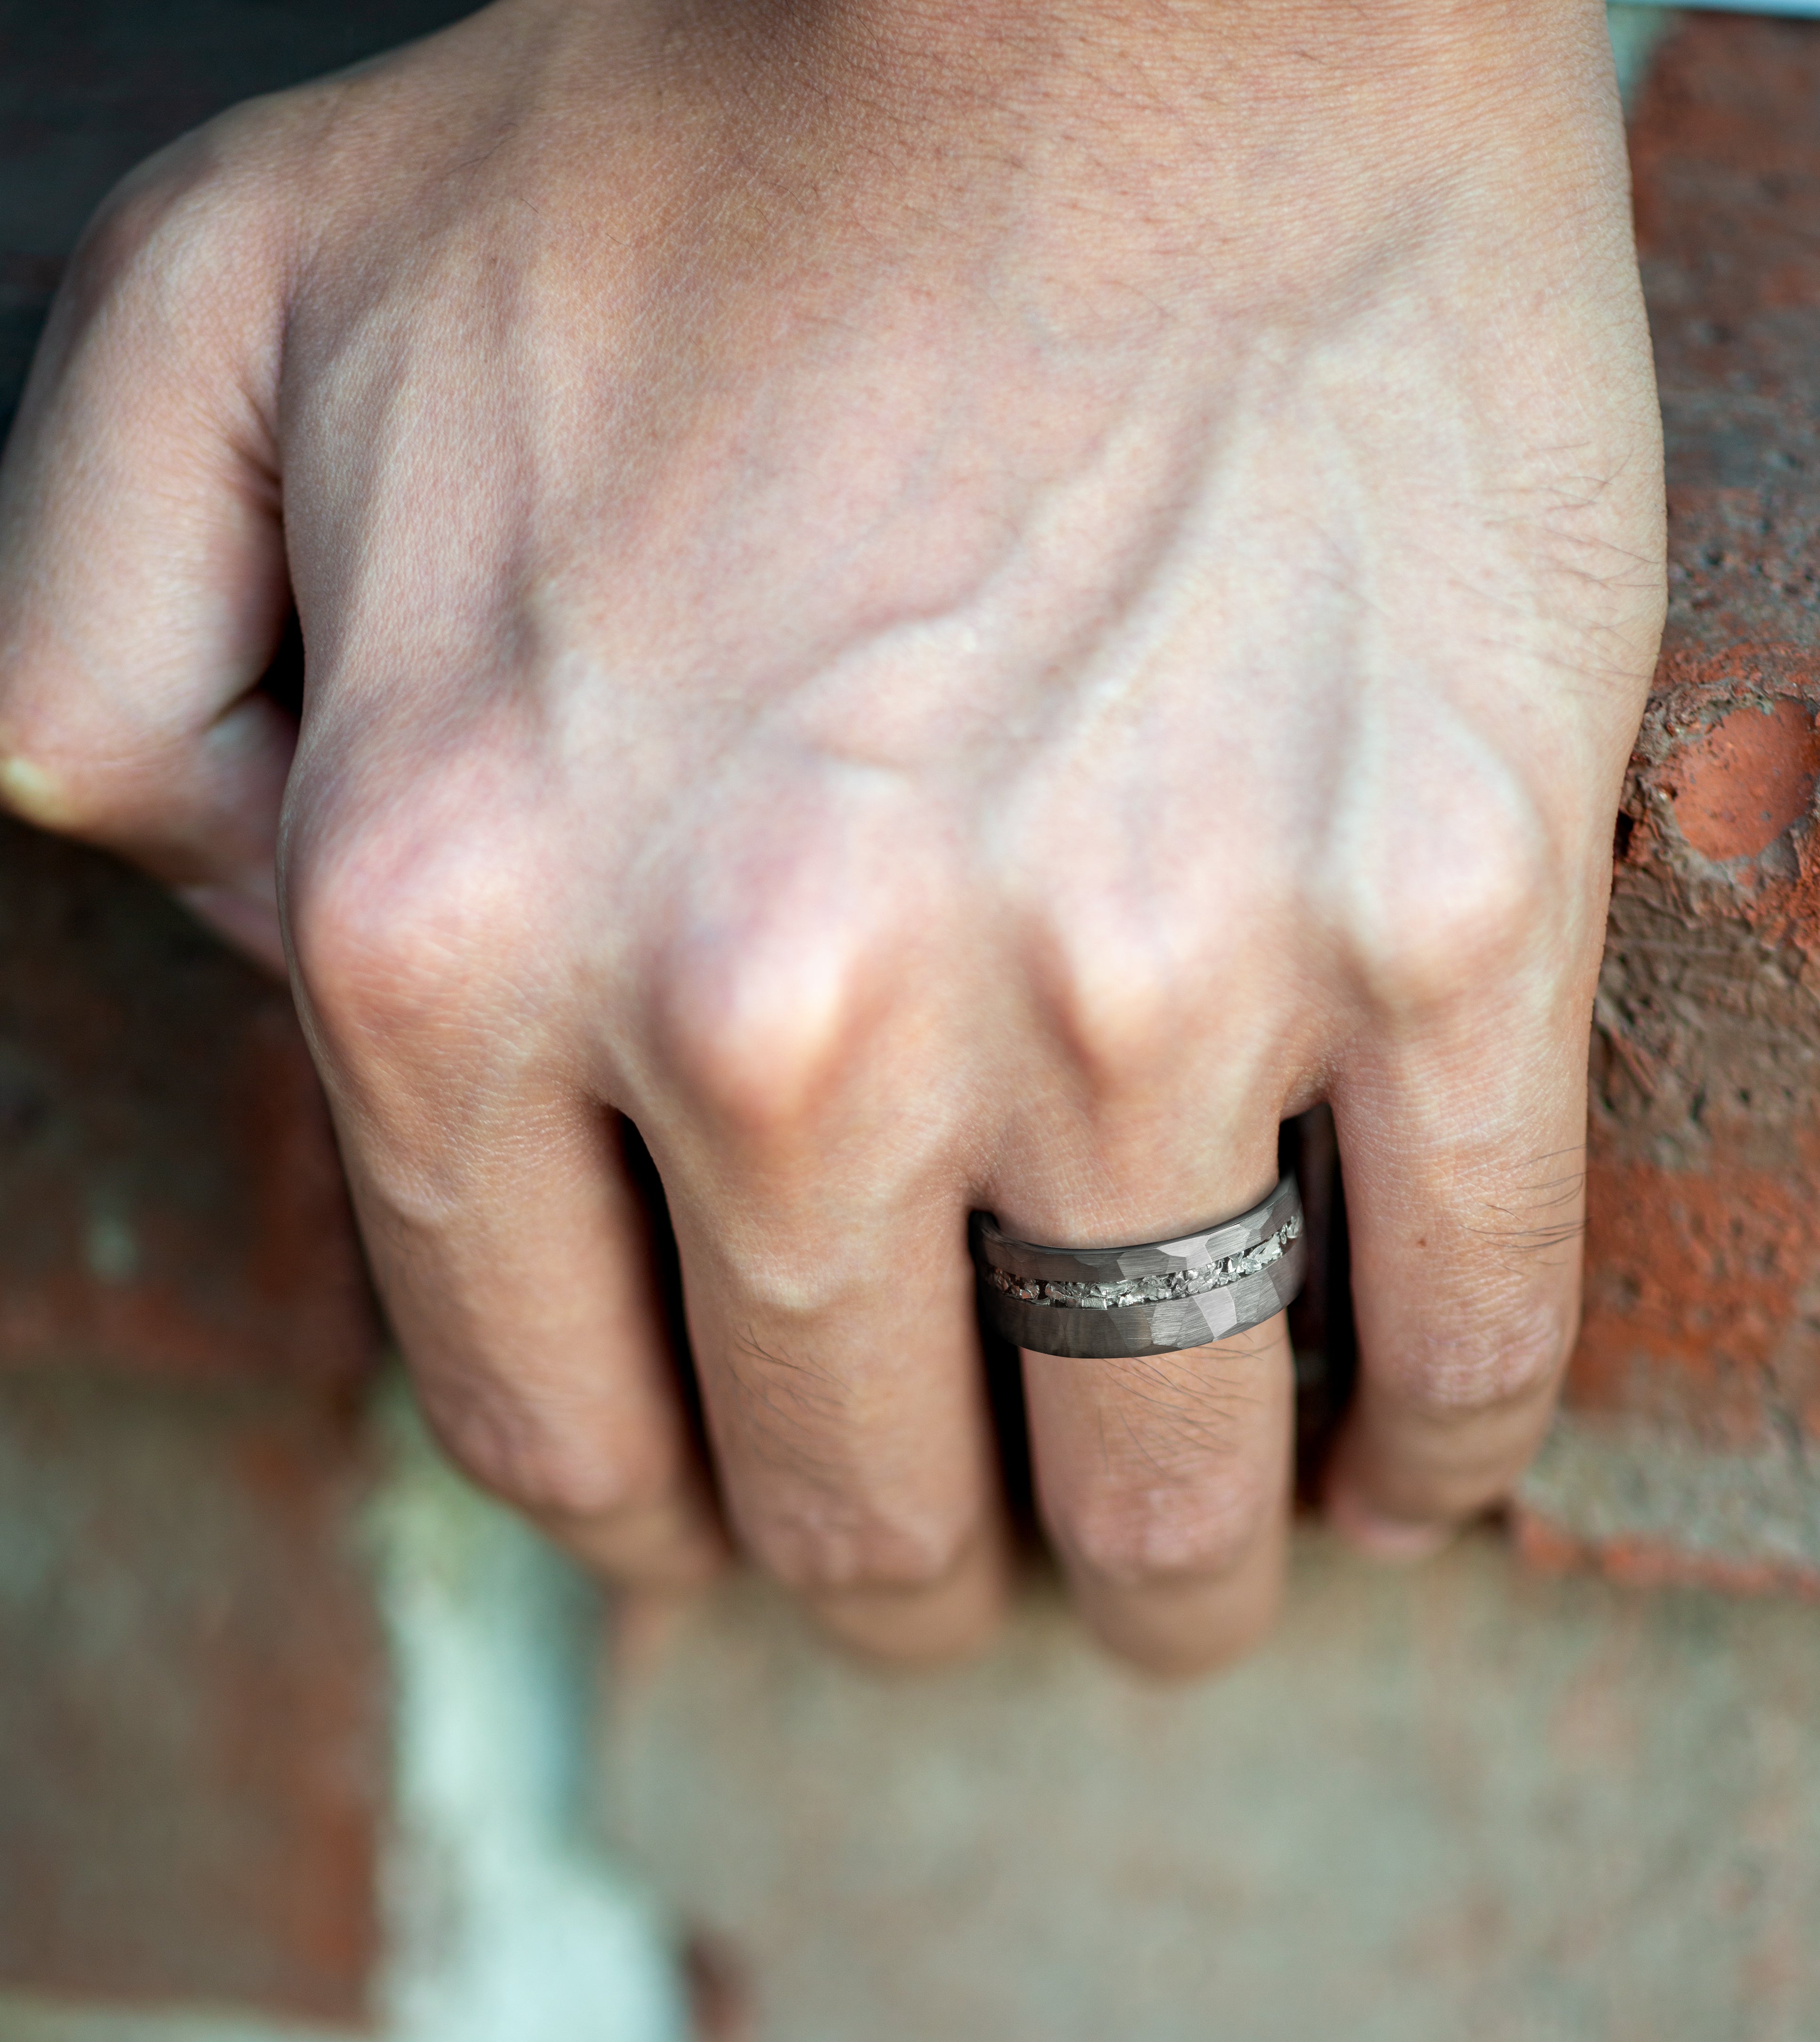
[1162, 1296]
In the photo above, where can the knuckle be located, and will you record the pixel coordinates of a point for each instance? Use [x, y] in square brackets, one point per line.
[1432, 922]
[761, 1027]
[835, 1549]
[181, 214]
[1124, 929]
[1135, 1537]
[538, 1462]
[1114, 998]
[781, 1271]
[139, 226]
[404, 925]
[802, 950]
[1470, 1373]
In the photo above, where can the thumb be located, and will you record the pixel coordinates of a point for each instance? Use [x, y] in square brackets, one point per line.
[142, 582]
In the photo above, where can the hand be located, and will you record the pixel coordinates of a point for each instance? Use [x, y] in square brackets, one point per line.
[944, 607]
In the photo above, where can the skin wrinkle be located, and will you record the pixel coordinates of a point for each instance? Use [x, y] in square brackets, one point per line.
[1456, 1380]
[1150, 1530]
[541, 1456]
[813, 1519]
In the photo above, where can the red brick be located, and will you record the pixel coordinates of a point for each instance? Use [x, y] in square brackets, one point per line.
[1751, 777]
[1698, 1304]
[192, 1719]
[1702, 1311]
[193, 1704]
[170, 1200]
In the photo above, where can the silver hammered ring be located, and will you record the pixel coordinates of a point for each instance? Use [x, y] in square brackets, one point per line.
[1158, 1297]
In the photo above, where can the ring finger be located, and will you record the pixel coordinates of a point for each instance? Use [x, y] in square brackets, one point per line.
[1164, 1480]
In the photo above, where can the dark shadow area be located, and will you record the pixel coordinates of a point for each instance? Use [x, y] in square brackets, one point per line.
[666, 1265]
[284, 678]
[1321, 1320]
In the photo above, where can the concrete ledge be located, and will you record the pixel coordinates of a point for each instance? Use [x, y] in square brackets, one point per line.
[1456, 1802]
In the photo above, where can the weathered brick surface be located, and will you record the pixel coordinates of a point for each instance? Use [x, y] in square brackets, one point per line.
[170, 1200]
[192, 1693]
[1695, 1395]
[192, 1697]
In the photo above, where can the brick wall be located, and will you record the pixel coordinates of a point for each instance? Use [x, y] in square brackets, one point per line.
[1694, 1398]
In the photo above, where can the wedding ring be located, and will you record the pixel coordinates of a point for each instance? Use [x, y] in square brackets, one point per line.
[1157, 1297]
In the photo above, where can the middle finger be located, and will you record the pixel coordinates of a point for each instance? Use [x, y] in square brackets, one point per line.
[839, 1362]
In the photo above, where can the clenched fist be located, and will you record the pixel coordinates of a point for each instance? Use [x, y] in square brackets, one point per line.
[947, 608]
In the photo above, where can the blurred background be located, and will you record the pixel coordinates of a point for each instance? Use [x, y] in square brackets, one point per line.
[300, 1737]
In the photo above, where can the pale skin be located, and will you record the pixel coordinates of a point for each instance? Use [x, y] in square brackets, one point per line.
[945, 608]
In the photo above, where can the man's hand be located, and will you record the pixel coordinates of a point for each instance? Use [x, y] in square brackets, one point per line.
[945, 606]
